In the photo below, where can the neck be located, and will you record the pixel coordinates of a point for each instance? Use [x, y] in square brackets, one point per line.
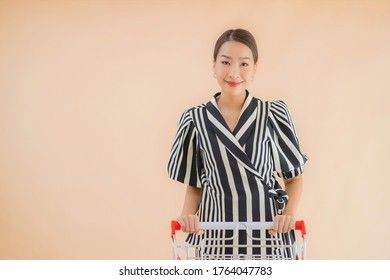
[233, 101]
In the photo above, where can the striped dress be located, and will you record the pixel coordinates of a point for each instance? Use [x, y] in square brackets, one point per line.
[236, 168]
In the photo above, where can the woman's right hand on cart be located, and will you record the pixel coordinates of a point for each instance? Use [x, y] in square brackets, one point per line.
[189, 224]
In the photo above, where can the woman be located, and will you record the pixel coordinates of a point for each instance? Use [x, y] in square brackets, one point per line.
[226, 152]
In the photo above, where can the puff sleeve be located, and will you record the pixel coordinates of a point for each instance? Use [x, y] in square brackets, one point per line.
[286, 154]
[185, 164]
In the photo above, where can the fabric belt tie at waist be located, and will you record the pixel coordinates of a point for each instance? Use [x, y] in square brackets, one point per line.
[280, 197]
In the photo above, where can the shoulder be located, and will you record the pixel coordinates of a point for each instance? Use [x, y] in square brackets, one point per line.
[196, 108]
[274, 105]
[278, 105]
[187, 116]
[188, 113]
[279, 109]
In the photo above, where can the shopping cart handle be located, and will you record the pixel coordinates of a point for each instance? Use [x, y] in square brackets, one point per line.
[299, 225]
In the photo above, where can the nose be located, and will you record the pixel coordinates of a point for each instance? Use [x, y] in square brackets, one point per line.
[234, 72]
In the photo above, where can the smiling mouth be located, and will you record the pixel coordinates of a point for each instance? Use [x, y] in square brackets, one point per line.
[233, 84]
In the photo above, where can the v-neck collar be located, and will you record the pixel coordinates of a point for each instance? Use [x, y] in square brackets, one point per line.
[235, 141]
[246, 118]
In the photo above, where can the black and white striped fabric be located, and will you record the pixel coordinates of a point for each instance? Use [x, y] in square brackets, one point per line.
[236, 168]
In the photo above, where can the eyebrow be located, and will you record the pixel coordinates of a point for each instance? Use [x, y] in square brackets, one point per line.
[245, 57]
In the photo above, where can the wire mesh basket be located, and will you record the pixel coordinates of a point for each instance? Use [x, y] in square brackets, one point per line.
[224, 248]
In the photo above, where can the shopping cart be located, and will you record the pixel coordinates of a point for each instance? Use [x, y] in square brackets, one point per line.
[202, 251]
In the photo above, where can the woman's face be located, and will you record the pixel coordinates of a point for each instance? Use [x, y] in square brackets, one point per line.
[234, 67]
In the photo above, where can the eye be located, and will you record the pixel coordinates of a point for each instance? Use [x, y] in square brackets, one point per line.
[224, 62]
[245, 64]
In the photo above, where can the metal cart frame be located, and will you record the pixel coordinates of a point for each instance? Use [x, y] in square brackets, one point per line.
[298, 249]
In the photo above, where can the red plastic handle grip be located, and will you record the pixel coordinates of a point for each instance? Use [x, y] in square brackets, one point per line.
[174, 227]
[300, 225]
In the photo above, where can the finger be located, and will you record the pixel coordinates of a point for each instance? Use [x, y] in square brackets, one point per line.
[199, 232]
[292, 223]
[196, 224]
[185, 222]
[281, 223]
[191, 224]
[181, 222]
[275, 224]
[286, 226]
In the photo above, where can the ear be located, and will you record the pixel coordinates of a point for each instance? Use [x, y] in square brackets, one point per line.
[213, 68]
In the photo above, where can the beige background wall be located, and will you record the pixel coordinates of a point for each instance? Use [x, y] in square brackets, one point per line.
[91, 92]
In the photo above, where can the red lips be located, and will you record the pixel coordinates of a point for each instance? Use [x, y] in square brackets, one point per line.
[233, 84]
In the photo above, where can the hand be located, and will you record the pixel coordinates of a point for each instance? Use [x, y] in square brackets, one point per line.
[282, 224]
[189, 224]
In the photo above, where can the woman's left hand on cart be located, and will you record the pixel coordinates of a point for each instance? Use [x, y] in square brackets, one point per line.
[282, 224]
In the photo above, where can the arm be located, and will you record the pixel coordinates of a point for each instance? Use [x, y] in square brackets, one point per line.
[285, 222]
[188, 219]
[294, 187]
